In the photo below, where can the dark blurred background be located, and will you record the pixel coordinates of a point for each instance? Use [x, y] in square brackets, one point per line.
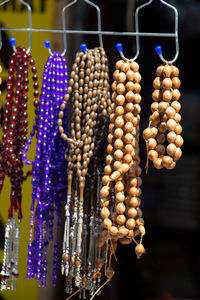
[170, 269]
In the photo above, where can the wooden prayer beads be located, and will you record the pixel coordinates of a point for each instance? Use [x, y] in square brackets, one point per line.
[164, 122]
[122, 217]
[90, 98]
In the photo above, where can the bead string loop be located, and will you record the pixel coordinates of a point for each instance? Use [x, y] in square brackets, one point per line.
[98, 21]
[29, 21]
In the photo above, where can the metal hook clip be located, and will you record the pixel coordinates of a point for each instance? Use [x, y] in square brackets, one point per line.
[158, 48]
[29, 17]
[98, 19]
[119, 47]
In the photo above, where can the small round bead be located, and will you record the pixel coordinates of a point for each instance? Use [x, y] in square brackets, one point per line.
[162, 106]
[139, 250]
[132, 212]
[176, 82]
[104, 192]
[171, 149]
[120, 100]
[120, 88]
[170, 112]
[167, 96]
[107, 223]
[171, 125]
[119, 186]
[157, 83]
[156, 95]
[167, 71]
[176, 95]
[118, 154]
[159, 71]
[179, 141]
[162, 127]
[160, 138]
[175, 71]
[129, 96]
[134, 66]
[177, 154]
[167, 161]
[158, 163]
[118, 133]
[119, 122]
[113, 230]
[119, 110]
[152, 144]
[171, 137]
[178, 129]
[152, 155]
[121, 77]
[154, 106]
[177, 118]
[167, 83]
[120, 208]
[130, 223]
[147, 134]
[125, 67]
[160, 149]
[118, 144]
[130, 75]
[120, 197]
[105, 213]
[120, 219]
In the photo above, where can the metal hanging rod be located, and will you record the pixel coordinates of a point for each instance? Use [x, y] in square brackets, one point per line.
[92, 32]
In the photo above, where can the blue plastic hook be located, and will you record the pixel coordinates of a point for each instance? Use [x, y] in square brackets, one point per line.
[84, 47]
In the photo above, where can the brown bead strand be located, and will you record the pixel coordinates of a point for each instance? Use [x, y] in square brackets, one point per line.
[123, 154]
[164, 121]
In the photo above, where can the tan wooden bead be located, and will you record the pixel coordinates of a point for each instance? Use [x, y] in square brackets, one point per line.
[104, 192]
[139, 250]
[152, 144]
[118, 155]
[125, 241]
[155, 118]
[118, 144]
[152, 155]
[162, 128]
[115, 175]
[125, 67]
[177, 154]
[167, 71]
[167, 161]
[117, 165]
[137, 88]
[160, 149]
[123, 231]
[147, 133]
[113, 230]
[135, 192]
[136, 121]
[171, 137]
[120, 89]
[179, 141]
[110, 149]
[129, 86]
[119, 64]
[120, 100]
[139, 212]
[128, 148]
[154, 132]
[118, 133]
[178, 129]
[139, 180]
[124, 168]
[119, 122]
[132, 212]
[137, 98]
[115, 75]
[139, 221]
[176, 95]
[154, 106]
[134, 66]
[177, 118]
[158, 163]
[172, 166]
[109, 159]
[127, 159]
[121, 77]
[137, 77]
[107, 223]
[159, 71]
[107, 170]
[105, 179]
[129, 107]
[128, 128]
[132, 202]
[105, 213]
[167, 83]
[131, 234]
[111, 127]
[110, 138]
[121, 219]
[120, 208]
[119, 110]
[133, 182]
[175, 71]
[120, 197]
[130, 75]
[171, 125]
[176, 82]
[119, 186]
[156, 95]
[167, 96]
[128, 138]
[170, 112]
[157, 83]
[129, 96]
[130, 223]
[142, 230]
[114, 86]
[171, 149]
[162, 106]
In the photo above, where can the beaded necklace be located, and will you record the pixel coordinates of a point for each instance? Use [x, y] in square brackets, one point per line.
[49, 169]
[121, 213]
[89, 93]
[165, 117]
[14, 139]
